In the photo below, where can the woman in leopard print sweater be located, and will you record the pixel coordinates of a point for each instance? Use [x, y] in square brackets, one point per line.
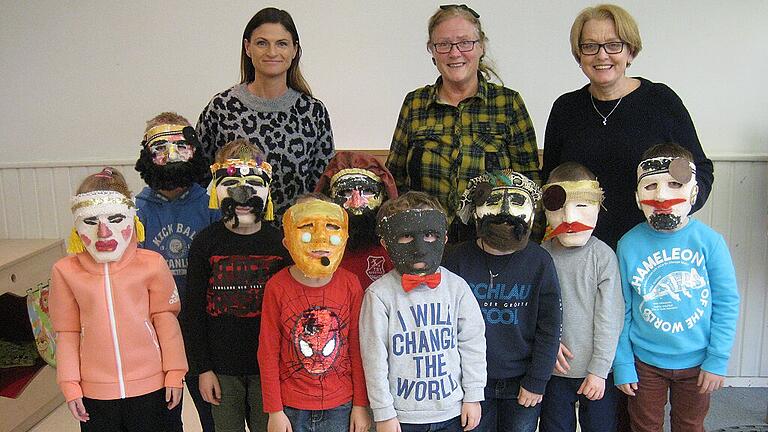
[273, 108]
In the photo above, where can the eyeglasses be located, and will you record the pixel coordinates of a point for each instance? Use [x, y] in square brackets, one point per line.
[594, 48]
[446, 47]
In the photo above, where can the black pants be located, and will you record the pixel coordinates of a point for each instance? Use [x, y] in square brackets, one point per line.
[145, 413]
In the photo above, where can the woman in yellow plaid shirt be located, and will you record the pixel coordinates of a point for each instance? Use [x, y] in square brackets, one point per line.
[462, 125]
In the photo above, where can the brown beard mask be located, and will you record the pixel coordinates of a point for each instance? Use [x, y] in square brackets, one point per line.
[504, 232]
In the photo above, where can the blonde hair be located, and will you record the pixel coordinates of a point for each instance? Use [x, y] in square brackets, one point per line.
[626, 27]
[462, 11]
[166, 118]
[108, 179]
[239, 149]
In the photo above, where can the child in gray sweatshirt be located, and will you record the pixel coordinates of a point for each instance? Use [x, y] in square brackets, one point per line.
[422, 335]
[593, 305]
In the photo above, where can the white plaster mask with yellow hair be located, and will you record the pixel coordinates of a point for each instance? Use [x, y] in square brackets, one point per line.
[104, 224]
[316, 233]
[572, 208]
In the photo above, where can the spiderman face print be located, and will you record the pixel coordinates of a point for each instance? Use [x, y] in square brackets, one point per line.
[317, 339]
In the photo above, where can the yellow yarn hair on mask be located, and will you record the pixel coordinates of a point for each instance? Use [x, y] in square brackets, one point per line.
[269, 214]
[139, 229]
[75, 244]
[213, 202]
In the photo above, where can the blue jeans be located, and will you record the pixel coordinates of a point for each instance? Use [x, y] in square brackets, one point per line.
[502, 413]
[452, 425]
[558, 411]
[330, 420]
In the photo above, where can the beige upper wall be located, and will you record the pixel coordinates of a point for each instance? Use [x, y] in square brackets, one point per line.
[79, 78]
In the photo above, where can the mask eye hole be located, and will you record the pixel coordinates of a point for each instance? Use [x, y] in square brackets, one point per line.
[675, 185]
[91, 221]
[650, 187]
[230, 182]
[430, 236]
[405, 239]
[116, 218]
[332, 227]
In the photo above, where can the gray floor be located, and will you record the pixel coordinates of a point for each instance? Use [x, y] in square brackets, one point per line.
[737, 406]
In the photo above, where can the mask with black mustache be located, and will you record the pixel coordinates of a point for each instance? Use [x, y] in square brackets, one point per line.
[241, 196]
[504, 232]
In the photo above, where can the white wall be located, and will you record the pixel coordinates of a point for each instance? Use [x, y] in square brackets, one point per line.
[78, 79]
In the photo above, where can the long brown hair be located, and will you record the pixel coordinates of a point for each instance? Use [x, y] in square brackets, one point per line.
[270, 15]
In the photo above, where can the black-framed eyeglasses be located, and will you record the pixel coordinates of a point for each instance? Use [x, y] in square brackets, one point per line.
[446, 47]
[609, 47]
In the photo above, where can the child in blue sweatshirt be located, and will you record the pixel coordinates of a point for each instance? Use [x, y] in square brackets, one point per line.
[681, 300]
[174, 208]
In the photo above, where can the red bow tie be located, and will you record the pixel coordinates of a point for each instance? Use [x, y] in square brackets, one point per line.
[411, 281]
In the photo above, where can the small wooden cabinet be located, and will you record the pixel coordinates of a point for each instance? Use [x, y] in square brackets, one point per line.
[24, 264]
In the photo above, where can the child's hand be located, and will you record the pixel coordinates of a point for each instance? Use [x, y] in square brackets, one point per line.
[528, 399]
[210, 388]
[710, 382]
[77, 409]
[359, 420]
[562, 366]
[593, 387]
[173, 396]
[278, 422]
[391, 425]
[470, 415]
[628, 389]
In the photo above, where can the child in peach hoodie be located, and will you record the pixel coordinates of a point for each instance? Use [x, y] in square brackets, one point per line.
[120, 353]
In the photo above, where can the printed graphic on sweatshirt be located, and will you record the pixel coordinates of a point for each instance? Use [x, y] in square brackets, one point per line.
[172, 242]
[426, 334]
[236, 286]
[317, 339]
[375, 268]
[674, 289]
[502, 303]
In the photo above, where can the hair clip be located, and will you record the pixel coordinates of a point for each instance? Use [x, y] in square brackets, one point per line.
[461, 6]
[106, 172]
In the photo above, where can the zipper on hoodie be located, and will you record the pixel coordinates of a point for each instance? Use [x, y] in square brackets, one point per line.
[113, 328]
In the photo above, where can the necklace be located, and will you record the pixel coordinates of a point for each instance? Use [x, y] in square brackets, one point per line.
[491, 274]
[605, 117]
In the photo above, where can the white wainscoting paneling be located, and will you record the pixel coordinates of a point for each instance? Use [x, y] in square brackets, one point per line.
[34, 203]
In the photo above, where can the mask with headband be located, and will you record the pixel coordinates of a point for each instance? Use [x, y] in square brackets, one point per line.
[104, 225]
[169, 158]
[666, 191]
[571, 208]
[316, 233]
[502, 204]
[240, 188]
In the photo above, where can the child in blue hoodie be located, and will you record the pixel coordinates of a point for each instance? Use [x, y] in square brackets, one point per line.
[173, 208]
[681, 300]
